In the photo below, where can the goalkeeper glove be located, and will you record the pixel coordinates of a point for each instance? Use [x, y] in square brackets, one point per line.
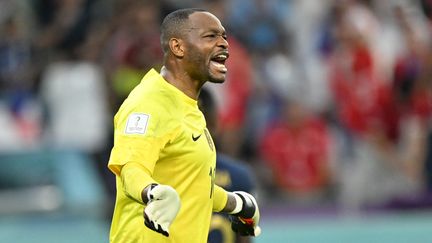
[245, 218]
[162, 208]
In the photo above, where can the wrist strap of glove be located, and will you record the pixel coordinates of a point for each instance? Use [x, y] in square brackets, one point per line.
[150, 187]
[248, 205]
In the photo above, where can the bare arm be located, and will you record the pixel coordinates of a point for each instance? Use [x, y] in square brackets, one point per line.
[230, 204]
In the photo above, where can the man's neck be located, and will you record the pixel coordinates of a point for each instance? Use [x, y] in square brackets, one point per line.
[182, 81]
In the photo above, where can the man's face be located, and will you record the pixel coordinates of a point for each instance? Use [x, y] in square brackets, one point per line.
[207, 48]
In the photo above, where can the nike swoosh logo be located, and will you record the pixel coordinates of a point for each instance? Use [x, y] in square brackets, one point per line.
[195, 138]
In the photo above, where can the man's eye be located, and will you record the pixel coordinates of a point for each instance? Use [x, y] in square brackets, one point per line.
[210, 36]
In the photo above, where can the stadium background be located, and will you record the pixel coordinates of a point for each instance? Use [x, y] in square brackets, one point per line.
[328, 102]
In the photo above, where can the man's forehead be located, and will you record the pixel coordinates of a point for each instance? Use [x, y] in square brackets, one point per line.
[204, 20]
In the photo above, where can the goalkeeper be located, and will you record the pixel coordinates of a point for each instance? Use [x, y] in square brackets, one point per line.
[163, 157]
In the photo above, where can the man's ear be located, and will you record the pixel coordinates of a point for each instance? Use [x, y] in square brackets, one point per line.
[177, 47]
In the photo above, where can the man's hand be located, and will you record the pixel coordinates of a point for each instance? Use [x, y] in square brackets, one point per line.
[163, 204]
[246, 221]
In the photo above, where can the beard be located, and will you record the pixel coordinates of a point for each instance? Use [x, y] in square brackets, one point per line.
[199, 67]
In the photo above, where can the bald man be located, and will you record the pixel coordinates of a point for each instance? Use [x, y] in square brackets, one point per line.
[163, 156]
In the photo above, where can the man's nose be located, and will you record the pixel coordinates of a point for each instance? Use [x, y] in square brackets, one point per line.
[223, 42]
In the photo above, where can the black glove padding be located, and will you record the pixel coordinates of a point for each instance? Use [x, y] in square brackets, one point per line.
[246, 221]
[156, 227]
[240, 227]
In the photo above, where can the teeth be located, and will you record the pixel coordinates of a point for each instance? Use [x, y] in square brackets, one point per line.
[222, 56]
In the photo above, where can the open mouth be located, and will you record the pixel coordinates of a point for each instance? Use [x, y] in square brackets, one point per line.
[218, 61]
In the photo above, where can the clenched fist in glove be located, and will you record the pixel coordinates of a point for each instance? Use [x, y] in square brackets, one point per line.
[163, 204]
[245, 217]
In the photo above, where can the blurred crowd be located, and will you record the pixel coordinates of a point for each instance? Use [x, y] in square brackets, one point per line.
[330, 102]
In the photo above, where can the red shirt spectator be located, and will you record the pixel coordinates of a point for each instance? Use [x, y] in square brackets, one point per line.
[363, 101]
[297, 150]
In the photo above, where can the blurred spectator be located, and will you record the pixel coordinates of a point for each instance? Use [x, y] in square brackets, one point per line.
[258, 23]
[305, 25]
[426, 7]
[75, 98]
[353, 78]
[277, 79]
[62, 24]
[20, 114]
[297, 149]
[412, 90]
[132, 47]
[366, 109]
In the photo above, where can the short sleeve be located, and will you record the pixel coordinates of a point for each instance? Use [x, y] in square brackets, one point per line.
[139, 136]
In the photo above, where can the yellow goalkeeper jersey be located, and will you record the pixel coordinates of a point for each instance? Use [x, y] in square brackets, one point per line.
[162, 129]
